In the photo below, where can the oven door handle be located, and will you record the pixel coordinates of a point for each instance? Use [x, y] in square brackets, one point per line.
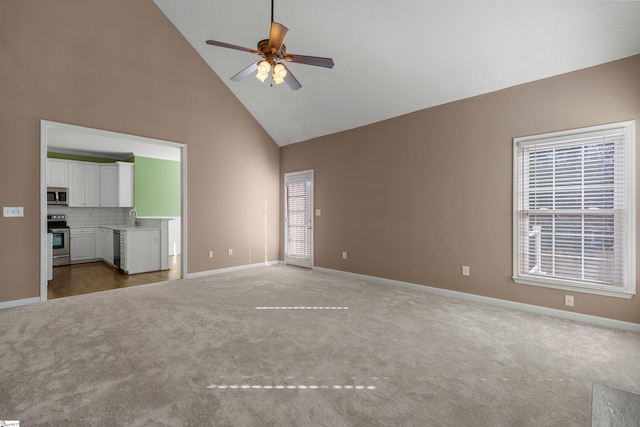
[58, 230]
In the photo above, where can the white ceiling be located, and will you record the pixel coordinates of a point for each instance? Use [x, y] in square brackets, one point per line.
[395, 57]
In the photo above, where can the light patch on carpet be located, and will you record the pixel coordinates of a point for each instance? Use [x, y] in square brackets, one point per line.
[247, 382]
[289, 387]
[302, 308]
[503, 379]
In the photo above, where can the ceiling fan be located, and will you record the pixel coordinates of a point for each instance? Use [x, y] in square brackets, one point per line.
[274, 53]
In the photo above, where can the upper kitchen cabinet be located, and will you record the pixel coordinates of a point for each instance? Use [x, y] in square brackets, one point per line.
[84, 184]
[57, 173]
[116, 184]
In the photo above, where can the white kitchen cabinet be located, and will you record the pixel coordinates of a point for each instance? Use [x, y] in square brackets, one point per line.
[163, 225]
[116, 184]
[125, 184]
[82, 244]
[57, 173]
[108, 185]
[84, 184]
[140, 251]
[98, 242]
[104, 244]
[76, 184]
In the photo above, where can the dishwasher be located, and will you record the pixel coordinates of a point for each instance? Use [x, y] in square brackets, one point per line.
[116, 249]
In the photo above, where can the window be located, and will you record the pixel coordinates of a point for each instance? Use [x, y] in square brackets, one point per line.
[574, 210]
[297, 215]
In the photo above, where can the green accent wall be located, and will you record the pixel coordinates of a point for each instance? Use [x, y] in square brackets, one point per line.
[157, 187]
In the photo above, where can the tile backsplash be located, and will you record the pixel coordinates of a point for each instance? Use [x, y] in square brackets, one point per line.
[93, 216]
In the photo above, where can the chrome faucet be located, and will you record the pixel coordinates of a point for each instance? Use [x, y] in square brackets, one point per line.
[136, 221]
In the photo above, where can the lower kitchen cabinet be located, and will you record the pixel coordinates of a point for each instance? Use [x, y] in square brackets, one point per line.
[104, 245]
[83, 246]
[139, 248]
[140, 251]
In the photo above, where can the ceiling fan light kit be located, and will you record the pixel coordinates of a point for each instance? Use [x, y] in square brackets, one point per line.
[263, 70]
[273, 53]
[279, 73]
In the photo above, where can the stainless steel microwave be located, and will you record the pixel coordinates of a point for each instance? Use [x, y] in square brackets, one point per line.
[57, 196]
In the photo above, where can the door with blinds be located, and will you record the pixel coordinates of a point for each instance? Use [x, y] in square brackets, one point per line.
[298, 218]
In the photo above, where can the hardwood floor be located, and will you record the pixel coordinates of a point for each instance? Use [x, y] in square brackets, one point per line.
[90, 277]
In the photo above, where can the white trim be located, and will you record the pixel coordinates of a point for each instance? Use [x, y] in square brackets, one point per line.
[629, 289]
[578, 317]
[630, 181]
[44, 125]
[184, 235]
[299, 176]
[232, 269]
[44, 241]
[19, 302]
[571, 287]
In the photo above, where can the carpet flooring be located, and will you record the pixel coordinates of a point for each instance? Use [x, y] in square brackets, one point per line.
[284, 346]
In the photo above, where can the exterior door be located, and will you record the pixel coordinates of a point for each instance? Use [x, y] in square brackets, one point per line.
[298, 219]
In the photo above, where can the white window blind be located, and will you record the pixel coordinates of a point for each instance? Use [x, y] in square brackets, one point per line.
[574, 216]
[298, 229]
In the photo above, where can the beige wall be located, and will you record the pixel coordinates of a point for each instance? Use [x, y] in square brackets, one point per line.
[120, 65]
[416, 197]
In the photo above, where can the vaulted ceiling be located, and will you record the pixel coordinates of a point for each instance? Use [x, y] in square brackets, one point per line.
[396, 57]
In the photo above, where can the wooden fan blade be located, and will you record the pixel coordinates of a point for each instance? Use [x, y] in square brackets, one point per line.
[245, 73]
[290, 80]
[309, 60]
[277, 36]
[233, 46]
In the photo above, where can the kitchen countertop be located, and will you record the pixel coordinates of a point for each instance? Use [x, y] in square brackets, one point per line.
[123, 227]
[129, 227]
[167, 218]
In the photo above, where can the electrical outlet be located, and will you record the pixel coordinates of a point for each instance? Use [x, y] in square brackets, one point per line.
[465, 270]
[210, 254]
[568, 300]
[230, 252]
[344, 254]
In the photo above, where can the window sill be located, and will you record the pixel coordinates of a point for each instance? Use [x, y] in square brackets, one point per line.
[570, 286]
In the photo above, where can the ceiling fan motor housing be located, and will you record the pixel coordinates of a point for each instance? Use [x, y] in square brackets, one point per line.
[270, 52]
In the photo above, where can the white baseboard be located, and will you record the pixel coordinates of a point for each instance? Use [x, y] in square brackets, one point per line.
[600, 321]
[19, 302]
[230, 269]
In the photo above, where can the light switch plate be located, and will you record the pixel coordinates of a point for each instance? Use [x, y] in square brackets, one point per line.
[318, 212]
[13, 211]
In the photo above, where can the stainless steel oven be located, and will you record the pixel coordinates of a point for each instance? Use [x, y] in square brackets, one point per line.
[57, 225]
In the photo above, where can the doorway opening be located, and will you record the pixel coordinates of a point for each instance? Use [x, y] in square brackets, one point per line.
[95, 271]
[298, 218]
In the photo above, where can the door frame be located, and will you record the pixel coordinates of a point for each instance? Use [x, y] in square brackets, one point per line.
[45, 125]
[305, 175]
